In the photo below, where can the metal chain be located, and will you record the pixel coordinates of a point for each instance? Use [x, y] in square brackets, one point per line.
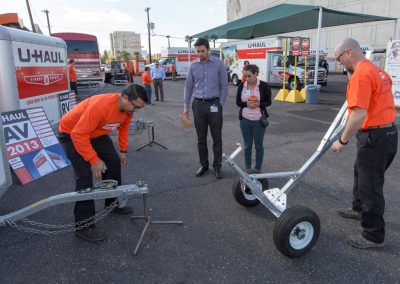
[66, 228]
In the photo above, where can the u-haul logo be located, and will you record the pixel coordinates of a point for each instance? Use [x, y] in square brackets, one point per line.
[30, 55]
[43, 79]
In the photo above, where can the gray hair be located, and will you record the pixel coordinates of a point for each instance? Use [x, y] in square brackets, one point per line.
[348, 43]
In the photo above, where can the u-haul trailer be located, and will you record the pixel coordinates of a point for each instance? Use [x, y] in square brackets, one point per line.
[33, 72]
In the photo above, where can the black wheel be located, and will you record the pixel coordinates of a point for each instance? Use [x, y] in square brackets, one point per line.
[246, 198]
[296, 231]
[291, 83]
[235, 80]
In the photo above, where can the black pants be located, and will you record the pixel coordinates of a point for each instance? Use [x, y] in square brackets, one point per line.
[203, 117]
[376, 149]
[158, 85]
[105, 150]
[74, 87]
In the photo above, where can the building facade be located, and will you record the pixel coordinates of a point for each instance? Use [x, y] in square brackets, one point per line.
[373, 34]
[123, 40]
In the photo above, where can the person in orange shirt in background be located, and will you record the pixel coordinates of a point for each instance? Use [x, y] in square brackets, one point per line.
[72, 76]
[173, 71]
[83, 135]
[372, 120]
[146, 80]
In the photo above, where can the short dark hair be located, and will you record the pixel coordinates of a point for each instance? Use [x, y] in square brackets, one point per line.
[134, 91]
[147, 68]
[202, 41]
[252, 68]
[71, 61]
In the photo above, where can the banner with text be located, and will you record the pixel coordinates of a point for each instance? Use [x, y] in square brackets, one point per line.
[32, 148]
[393, 68]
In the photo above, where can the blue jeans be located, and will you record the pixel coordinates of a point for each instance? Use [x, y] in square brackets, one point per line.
[252, 131]
[148, 91]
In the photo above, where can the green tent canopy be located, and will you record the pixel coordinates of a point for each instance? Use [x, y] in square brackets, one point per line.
[285, 18]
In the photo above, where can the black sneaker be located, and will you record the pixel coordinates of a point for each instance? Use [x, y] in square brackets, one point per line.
[91, 234]
[218, 173]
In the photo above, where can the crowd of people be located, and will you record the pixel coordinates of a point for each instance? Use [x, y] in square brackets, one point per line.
[84, 129]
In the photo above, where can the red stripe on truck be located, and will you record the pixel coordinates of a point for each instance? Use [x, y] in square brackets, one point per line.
[254, 53]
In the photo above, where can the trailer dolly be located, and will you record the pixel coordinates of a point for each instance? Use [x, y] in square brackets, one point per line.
[297, 228]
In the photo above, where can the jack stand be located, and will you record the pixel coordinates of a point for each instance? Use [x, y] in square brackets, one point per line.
[150, 124]
[147, 218]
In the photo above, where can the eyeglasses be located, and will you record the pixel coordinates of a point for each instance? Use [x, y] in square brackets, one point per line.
[340, 56]
[135, 106]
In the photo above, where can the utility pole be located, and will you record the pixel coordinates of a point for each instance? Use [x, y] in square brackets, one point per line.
[48, 21]
[30, 16]
[148, 30]
[168, 40]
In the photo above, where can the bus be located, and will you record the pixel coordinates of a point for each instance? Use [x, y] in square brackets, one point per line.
[84, 49]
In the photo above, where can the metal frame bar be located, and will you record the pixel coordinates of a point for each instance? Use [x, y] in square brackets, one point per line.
[275, 200]
[122, 191]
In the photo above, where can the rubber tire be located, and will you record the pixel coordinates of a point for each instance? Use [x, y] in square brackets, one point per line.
[235, 80]
[298, 85]
[240, 198]
[285, 224]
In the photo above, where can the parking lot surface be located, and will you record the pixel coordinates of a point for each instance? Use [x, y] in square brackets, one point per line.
[220, 240]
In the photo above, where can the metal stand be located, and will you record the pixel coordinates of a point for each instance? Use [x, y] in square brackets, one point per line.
[147, 217]
[151, 139]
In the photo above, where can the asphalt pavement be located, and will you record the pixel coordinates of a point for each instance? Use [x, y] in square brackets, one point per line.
[220, 241]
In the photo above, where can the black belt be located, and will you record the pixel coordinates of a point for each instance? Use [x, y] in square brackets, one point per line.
[209, 100]
[380, 126]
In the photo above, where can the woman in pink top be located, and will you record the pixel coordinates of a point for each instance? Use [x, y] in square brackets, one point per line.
[253, 96]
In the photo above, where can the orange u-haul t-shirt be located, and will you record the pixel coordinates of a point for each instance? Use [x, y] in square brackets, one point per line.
[92, 118]
[370, 88]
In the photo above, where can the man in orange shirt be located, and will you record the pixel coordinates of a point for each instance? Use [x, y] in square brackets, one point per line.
[72, 76]
[146, 80]
[371, 118]
[83, 135]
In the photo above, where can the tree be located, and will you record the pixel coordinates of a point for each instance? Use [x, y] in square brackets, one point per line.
[105, 59]
[189, 40]
[124, 56]
[136, 54]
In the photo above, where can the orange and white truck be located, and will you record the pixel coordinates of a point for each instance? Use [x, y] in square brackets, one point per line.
[181, 57]
[267, 54]
[33, 73]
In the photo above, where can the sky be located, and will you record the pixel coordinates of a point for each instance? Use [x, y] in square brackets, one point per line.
[176, 18]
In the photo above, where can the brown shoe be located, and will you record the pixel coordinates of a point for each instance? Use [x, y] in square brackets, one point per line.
[349, 213]
[91, 234]
[123, 210]
[358, 241]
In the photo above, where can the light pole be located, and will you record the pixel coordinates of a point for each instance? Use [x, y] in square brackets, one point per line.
[168, 40]
[48, 21]
[30, 16]
[148, 30]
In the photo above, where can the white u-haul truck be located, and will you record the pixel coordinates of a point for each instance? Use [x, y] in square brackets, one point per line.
[181, 57]
[33, 73]
[267, 54]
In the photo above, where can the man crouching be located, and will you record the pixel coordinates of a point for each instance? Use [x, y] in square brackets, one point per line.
[83, 135]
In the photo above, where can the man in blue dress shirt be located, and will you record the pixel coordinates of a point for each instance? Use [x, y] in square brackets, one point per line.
[158, 75]
[207, 82]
